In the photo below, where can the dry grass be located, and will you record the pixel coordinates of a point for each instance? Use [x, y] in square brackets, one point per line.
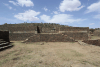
[57, 54]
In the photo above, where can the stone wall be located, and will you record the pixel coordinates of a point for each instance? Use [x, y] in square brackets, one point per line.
[74, 29]
[64, 37]
[55, 38]
[77, 35]
[19, 36]
[21, 32]
[50, 30]
[3, 28]
[29, 28]
[34, 38]
[50, 38]
[4, 35]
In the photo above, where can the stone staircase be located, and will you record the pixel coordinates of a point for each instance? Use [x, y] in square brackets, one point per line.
[4, 44]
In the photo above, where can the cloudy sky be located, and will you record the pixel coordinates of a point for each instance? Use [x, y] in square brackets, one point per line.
[78, 13]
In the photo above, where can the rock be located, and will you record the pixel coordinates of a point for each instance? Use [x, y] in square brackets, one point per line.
[41, 43]
[40, 61]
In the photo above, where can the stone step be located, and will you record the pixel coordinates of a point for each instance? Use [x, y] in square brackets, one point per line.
[1, 47]
[6, 46]
[2, 41]
[6, 43]
[10, 45]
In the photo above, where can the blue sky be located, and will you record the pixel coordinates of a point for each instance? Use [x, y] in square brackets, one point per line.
[78, 13]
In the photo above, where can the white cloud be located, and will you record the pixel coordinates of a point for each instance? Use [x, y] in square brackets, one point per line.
[13, 3]
[55, 12]
[95, 7]
[27, 3]
[8, 6]
[97, 16]
[70, 5]
[45, 8]
[92, 23]
[60, 18]
[28, 15]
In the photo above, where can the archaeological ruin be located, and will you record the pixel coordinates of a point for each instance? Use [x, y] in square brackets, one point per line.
[35, 32]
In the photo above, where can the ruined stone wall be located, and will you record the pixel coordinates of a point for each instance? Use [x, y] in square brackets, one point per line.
[49, 38]
[19, 36]
[77, 35]
[27, 28]
[65, 37]
[21, 32]
[24, 29]
[74, 29]
[44, 29]
[55, 38]
[34, 38]
[50, 30]
[4, 35]
[97, 33]
[19, 28]
[3, 28]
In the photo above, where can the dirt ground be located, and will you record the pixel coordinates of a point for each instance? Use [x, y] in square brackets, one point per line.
[50, 54]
